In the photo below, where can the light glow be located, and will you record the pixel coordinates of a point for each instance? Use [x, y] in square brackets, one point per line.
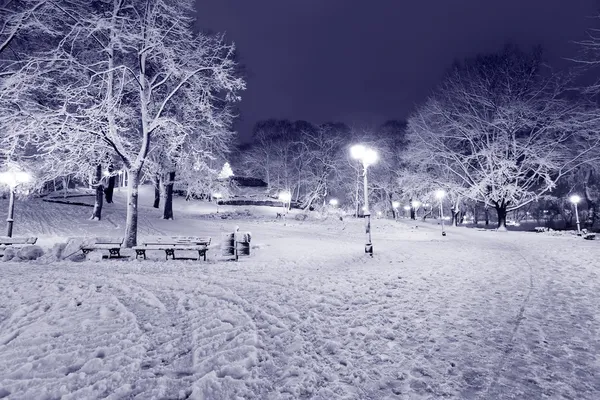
[285, 196]
[14, 178]
[333, 202]
[396, 204]
[440, 194]
[217, 195]
[357, 151]
[416, 204]
[575, 199]
[366, 155]
[407, 208]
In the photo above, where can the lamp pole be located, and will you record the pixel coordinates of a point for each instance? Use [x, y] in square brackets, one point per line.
[12, 179]
[367, 156]
[369, 244]
[575, 200]
[11, 212]
[440, 195]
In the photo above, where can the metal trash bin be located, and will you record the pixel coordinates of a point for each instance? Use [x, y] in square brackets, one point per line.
[243, 245]
[228, 245]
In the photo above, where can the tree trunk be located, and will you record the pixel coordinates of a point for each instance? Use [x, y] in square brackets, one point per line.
[156, 182]
[65, 186]
[455, 216]
[97, 184]
[413, 214]
[487, 216]
[131, 225]
[501, 211]
[110, 189]
[592, 203]
[168, 210]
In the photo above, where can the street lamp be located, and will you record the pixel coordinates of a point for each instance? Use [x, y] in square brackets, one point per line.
[368, 157]
[12, 179]
[286, 198]
[575, 199]
[333, 202]
[217, 196]
[440, 194]
[415, 206]
[395, 205]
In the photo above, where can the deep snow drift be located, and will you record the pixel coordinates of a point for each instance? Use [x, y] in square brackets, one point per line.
[474, 315]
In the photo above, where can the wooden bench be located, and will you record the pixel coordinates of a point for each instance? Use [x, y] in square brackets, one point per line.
[112, 244]
[169, 244]
[16, 242]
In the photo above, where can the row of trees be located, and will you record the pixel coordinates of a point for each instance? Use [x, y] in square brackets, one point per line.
[313, 162]
[89, 87]
[503, 132]
[500, 132]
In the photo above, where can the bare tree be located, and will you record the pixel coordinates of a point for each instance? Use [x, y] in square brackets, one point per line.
[121, 81]
[502, 130]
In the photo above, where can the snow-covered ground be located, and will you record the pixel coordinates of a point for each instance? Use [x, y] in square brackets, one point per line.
[474, 315]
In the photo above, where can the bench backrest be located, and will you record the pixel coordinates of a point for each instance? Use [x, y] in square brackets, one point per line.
[108, 240]
[17, 240]
[178, 240]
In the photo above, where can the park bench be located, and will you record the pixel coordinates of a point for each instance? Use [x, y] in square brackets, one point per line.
[171, 243]
[16, 242]
[112, 244]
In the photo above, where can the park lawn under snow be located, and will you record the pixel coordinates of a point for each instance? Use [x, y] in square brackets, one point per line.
[474, 315]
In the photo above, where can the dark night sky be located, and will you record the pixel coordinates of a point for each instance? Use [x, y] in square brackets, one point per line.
[362, 62]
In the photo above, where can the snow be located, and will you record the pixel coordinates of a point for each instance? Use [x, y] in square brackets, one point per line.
[473, 315]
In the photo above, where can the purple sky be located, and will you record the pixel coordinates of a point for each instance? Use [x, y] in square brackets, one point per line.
[362, 62]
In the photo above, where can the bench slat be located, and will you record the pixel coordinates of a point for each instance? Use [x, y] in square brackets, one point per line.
[177, 241]
[17, 240]
[101, 246]
[108, 240]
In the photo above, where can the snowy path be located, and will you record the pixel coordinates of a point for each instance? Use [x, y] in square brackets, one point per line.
[474, 315]
[477, 315]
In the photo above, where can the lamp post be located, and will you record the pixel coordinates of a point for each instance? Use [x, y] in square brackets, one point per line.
[368, 157]
[575, 199]
[217, 196]
[415, 206]
[395, 205]
[286, 199]
[12, 179]
[440, 194]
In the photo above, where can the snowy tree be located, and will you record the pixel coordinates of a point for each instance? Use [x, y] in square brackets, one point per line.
[501, 129]
[226, 171]
[120, 80]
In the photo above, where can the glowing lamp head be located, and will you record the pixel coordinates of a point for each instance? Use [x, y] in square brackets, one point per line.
[217, 195]
[379, 213]
[285, 196]
[333, 202]
[370, 157]
[407, 208]
[416, 204]
[357, 151]
[364, 154]
[575, 199]
[395, 204]
[14, 178]
[440, 194]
